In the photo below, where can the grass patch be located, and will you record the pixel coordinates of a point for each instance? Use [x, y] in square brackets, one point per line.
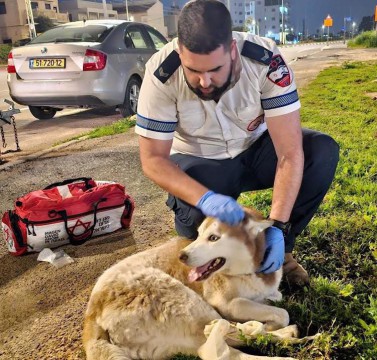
[117, 127]
[339, 247]
[367, 39]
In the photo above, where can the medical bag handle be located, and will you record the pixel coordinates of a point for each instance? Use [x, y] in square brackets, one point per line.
[70, 181]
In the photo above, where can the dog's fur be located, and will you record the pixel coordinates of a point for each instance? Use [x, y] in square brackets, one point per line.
[144, 307]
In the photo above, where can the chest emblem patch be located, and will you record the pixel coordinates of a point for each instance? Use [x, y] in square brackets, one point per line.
[278, 72]
[253, 125]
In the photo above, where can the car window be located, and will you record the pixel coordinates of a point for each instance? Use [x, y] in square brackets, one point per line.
[158, 40]
[89, 33]
[136, 36]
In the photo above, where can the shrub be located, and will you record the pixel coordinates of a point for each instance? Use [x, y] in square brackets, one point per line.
[367, 39]
[4, 51]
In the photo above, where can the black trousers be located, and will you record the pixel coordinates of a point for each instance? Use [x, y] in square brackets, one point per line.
[254, 169]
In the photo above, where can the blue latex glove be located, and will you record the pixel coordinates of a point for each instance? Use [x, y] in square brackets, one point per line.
[275, 251]
[222, 207]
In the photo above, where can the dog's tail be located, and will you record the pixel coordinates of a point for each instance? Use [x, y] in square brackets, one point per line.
[97, 344]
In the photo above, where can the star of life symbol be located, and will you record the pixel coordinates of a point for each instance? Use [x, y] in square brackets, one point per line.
[78, 225]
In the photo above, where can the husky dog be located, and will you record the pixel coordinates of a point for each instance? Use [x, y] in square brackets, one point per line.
[156, 303]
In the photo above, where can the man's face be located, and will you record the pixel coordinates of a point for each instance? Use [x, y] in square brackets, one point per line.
[208, 75]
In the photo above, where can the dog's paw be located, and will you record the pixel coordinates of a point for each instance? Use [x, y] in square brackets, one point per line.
[279, 319]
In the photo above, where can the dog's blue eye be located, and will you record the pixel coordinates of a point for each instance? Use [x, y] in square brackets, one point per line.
[213, 237]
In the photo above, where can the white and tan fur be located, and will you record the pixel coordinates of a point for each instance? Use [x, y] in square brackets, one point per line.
[144, 307]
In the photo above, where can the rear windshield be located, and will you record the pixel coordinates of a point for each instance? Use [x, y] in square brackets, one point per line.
[89, 33]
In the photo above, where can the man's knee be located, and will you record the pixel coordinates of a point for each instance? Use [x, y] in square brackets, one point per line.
[321, 156]
[187, 218]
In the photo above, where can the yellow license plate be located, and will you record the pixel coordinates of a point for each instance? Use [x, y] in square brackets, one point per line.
[47, 63]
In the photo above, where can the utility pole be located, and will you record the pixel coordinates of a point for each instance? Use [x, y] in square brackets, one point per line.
[282, 22]
[104, 9]
[30, 19]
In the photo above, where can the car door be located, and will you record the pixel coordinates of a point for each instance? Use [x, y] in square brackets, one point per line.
[139, 46]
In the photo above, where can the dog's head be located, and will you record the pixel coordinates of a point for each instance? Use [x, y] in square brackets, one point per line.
[233, 250]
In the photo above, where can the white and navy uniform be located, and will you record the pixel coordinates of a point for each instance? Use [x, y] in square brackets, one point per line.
[168, 109]
[225, 145]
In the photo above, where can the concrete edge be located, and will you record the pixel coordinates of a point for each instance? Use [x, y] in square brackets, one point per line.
[10, 164]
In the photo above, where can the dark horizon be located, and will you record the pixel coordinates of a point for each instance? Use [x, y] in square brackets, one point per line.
[314, 12]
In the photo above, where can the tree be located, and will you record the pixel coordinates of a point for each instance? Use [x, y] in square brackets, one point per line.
[43, 23]
[242, 28]
[367, 23]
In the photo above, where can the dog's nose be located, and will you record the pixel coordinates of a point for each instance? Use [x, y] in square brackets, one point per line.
[183, 256]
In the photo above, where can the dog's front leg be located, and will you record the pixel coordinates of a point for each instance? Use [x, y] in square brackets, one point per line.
[242, 310]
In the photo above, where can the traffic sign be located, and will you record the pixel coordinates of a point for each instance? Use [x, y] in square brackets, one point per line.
[328, 21]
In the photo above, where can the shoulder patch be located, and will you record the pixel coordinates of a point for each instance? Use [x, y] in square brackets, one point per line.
[168, 67]
[256, 52]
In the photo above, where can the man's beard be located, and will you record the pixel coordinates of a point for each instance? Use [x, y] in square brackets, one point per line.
[216, 92]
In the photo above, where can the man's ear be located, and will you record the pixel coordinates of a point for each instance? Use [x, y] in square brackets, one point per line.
[233, 50]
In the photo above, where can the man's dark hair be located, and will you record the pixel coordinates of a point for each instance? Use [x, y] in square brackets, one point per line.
[204, 25]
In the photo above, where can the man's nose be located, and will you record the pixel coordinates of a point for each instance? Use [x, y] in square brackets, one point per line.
[205, 80]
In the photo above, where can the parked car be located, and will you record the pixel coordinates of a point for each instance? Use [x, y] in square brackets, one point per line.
[85, 64]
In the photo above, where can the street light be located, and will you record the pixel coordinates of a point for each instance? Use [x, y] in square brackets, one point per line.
[323, 32]
[353, 29]
[255, 27]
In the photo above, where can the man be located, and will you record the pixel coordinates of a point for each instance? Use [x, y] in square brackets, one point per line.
[218, 115]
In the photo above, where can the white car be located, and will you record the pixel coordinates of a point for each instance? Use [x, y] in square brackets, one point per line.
[83, 64]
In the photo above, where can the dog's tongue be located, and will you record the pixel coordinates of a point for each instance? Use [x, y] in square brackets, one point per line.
[196, 273]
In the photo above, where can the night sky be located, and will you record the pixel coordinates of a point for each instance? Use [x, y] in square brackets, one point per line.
[314, 12]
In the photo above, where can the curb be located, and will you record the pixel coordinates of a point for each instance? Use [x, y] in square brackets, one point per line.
[8, 165]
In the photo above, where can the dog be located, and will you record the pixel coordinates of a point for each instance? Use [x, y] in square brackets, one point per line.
[156, 303]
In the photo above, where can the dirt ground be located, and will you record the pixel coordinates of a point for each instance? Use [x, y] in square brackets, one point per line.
[42, 307]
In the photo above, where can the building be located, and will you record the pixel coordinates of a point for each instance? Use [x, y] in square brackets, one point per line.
[14, 23]
[260, 17]
[87, 9]
[150, 12]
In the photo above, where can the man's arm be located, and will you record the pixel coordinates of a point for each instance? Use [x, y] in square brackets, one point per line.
[156, 164]
[286, 135]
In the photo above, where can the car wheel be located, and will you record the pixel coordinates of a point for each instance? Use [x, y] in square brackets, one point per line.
[131, 97]
[42, 112]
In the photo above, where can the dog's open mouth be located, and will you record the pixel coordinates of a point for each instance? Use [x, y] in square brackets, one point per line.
[203, 272]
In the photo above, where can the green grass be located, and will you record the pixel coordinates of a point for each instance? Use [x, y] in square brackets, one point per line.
[117, 127]
[367, 39]
[339, 247]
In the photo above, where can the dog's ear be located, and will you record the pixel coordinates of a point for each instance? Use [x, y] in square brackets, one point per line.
[254, 225]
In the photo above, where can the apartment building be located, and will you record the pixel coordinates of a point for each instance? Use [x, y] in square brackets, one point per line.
[87, 10]
[261, 17]
[14, 23]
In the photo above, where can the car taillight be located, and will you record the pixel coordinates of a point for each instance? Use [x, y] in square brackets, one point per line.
[94, 60]
[11, 68]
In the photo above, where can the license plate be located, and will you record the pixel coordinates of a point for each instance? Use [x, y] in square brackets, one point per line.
[47, 63]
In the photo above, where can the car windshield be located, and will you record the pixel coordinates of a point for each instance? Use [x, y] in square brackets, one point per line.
[89, 33]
